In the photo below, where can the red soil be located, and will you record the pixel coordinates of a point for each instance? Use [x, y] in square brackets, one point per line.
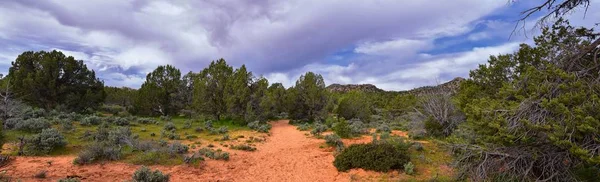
[288, 155]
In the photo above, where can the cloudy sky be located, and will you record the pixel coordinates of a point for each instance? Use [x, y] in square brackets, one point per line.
[394, 44]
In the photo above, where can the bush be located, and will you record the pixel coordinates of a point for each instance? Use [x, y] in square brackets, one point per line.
[418, 146]
[147, 121]
[31, 125]
[119, 121]
[409, 168]
[170, 134]
[434, 128]
[304, 127]
[198, 129]
[384, 128]
[357, 127]
[144, 174]
[214, 154]
[44, 142]
[90, 120]
[259, 126]
[225, 137]
[343, 129]
[187, 124]
[223, 130]
[243, 147]
[169, 126]
[177, 148]
[208, 124]
[380, 157]
[98, 152]
[335, 141]
[165, 118]
[66, 125]
[318, 129]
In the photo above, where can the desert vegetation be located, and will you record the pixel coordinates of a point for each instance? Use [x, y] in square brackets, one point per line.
[530, 115]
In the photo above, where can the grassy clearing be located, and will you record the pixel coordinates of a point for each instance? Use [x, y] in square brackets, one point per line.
[187, 135]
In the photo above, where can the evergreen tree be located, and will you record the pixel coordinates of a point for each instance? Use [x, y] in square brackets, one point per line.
[158, 94]
[309, 98]
[238, 93]
[210, 89]
[52, 80]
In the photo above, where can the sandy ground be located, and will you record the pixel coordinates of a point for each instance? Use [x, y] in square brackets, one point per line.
[287, 155]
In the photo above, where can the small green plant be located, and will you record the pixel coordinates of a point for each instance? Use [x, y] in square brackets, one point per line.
[187, 124]
[418, 146]
[409, 168]
[169, 126]
[304, 127]
[342, 129]
[243, 147]
[318, 129]
[165, 118]
[144, 174]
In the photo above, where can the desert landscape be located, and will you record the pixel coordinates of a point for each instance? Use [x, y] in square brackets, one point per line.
[299, 90]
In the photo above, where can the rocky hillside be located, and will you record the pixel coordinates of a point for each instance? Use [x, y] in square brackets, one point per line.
[449, 87]
[351, 87]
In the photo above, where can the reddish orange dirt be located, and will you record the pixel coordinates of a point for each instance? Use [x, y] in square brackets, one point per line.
[287, 155]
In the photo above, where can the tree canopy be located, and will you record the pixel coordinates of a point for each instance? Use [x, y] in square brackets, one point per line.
[52, 80]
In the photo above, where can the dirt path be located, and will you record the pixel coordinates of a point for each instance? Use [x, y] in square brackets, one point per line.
[287, 155]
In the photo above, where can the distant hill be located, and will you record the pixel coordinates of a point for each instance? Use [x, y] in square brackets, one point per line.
[450, 86]
[352, 87]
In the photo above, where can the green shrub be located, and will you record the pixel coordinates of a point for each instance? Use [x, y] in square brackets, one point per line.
[380, 157]
[144, 174]
[318, 129]
[223, 130]
[260, 126]
[169, 126]
[243, 147]
[384, 128]
[177, 148]
[304, 127]
[170, 134]
[418, 146]
[434, 128]
[225, 137]
[208, 124]
[119, 121]
[214, 154]
[187, 124]
[31, 125]
[147, 121]
[66, 125]
[98, 152]
[409, 168]
[357, 127]
[44, 142]
[333, 140]
[165, 118]
[342, 129]
[90, 120]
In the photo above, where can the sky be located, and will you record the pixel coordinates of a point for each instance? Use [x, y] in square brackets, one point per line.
[393, 44]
